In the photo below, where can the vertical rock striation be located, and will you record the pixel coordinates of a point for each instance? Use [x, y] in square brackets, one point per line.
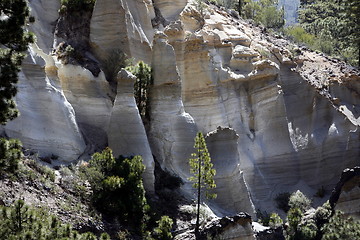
[123, 25]
[126, 133]
[47, 121]
[291, 117]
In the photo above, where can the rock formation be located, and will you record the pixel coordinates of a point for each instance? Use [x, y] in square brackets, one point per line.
[237, 228]
[346, 194]
[126, 132]
[287, 120]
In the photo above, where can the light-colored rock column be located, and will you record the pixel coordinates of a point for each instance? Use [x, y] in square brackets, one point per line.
[232, 192]
[172, 130]
[126, 133]
[90, 99]
[122, 25]
[47, 120]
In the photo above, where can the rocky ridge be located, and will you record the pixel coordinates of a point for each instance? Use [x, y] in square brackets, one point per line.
[275, 115]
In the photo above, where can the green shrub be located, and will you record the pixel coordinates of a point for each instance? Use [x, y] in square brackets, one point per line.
[163, 230]
[293, 219]
[341, 227]
[142, 71]
[10, 155]
[320, 224]
[66, 53]
[264, 12]
[282, 201]
[263, 217]
[117, 186]
[115, 61]
[300, 201]
[19, 221]
[275, 220]
[299, 35]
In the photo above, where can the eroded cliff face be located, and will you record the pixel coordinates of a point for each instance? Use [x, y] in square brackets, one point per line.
[275, 120]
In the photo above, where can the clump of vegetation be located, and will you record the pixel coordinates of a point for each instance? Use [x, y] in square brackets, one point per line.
[71, 6]
[263, 12]
[163, 230]
[275, 220]
[300, 201]
[144, 80]
[118, 192]
[202, 174]
[299, 35]
[117, 186]
[19, 221]
[330, 26]
[305, 223]
[67, 54]
[10, 155]
[272, 220]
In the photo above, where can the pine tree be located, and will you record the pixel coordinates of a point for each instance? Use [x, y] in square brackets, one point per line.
[336, 26]
[202, 172]
[142, 71]
[14, 41]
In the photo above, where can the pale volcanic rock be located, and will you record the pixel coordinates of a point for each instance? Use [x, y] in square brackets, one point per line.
[223, 148]
[296, 117]
[90, 98]
[126, 134]
[122, 25]
[171, 140]
[345, 196]
[45, 13]
[170, 9]
[242, 58]
[47, 121]
[163, 61]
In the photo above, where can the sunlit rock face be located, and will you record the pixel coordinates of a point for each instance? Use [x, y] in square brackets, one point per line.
[126, 132]
[46, 14]
[170, 10]
[276, 122]
[89, 96]
[232, 192]
[172, 130]
[122, 25]
[47, 122]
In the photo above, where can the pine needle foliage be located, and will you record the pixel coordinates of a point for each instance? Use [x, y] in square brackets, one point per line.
[202, 172]
[144, 80]
[14, 40]
[20, 221]
[117, 186]
[10, 155]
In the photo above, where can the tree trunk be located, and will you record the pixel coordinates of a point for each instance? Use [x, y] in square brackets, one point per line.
[359, 53]
[199, 196]
[240, 7]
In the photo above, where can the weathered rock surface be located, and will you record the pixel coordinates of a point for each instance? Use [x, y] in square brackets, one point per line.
[169, 9]
[126, 133]
[89, 96]
[292, 117]
[46, 14]
[223, 148]
[237, 227]
[47, 122]
[122, 25]
[345, 197]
